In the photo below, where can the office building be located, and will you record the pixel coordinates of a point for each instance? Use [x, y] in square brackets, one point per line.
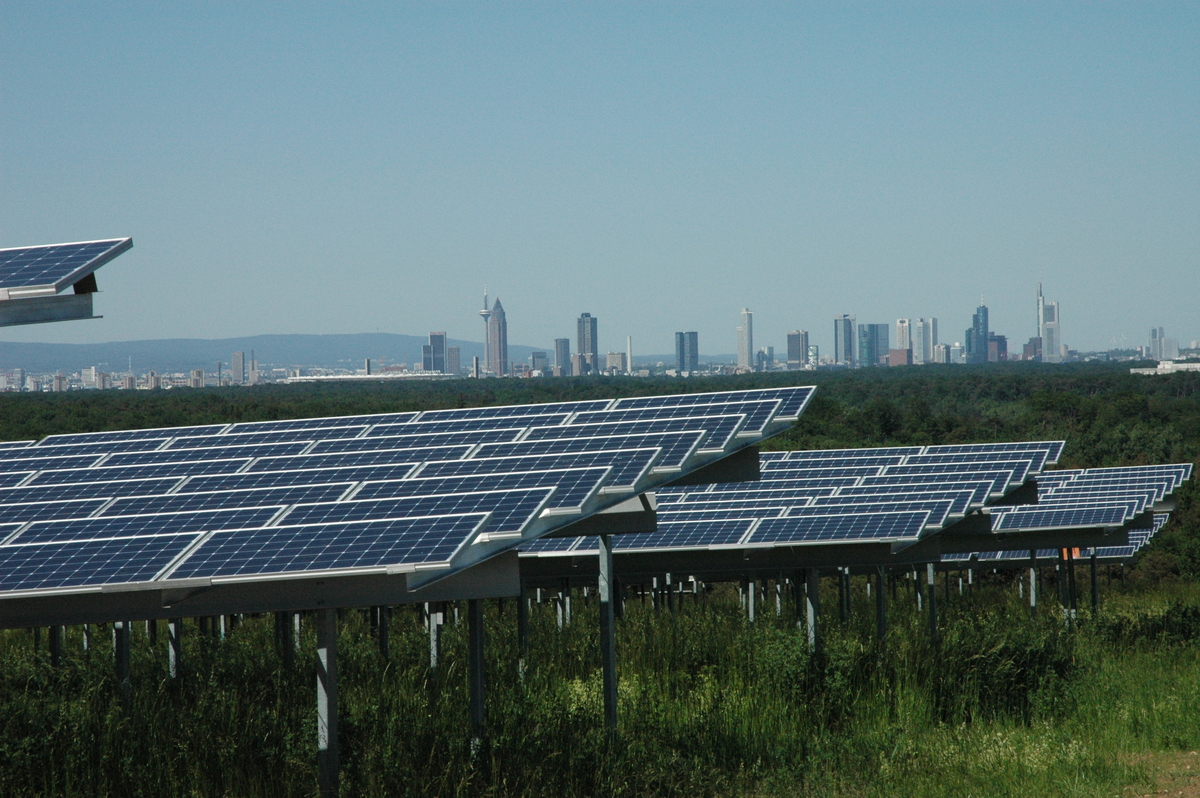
[587, 339]
[1032, 350]
[687, 352]
[582, 363]
[843, 341]
[18, 380]
[614, 363]
[1048, 331]
[745, 333]
[252, 377]
[453, 360]
[562, 356]
[814, 356]
[900, 357]
[197, 379]
[129, 383]
[924, 339]
[237, 369]
[538, 361]
[433, 354]
[1162, 347]
[873, 344]
[103, 381]
[904, 334]
[497, 340]
[977, 336]
[941, 353]
[997, 348]
[60, 383]
[797, 343]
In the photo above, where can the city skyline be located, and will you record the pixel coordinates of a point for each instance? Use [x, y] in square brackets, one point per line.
[893, 162]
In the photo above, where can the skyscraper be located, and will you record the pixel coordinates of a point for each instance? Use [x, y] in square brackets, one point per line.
[924, 339]
[1047, 318]
[687, 352]
[797, 342]
[873, 344]
[433, 355]
[237, 369]
[904, 338]
[562, 356]
[453, 360]
[497, 340]
[843, 341]
[746, 340]
[587, 341]
[977, 336]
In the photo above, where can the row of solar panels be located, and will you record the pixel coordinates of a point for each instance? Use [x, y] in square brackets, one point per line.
[395, 491]
[895, 494]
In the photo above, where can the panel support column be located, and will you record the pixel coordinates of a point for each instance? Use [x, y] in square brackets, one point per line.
[751, 590]
[1033, 583]
[522, 630]
[327, 703]
[931, 584]
[121, 656]
[55, 642]
[608, 644]
[812, 596]
[384, 622]
[880, 604]
[475, 666]
[1095, 584]
[175, 647]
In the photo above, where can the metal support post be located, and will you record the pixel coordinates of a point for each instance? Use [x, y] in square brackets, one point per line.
[778, 595]
[608, 644]
[522, 631]
[669, 588]
[152, 632]
[842, 589]
[751, 590]
[1071, 592]
[1095, 584]
[880, 604]
[930, 575]
[1060, 579]
[327, 703]
[87, 636]
[798, 598]
[812, 595]
[475, 666]
[121, 655]
[384, 622]
[434, 612]
[1033, 583]
[55, 643]
[175, 647]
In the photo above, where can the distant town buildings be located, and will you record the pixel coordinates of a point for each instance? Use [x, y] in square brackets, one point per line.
[1161, 347]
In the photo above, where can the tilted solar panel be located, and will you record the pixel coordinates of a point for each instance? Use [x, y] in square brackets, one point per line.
[1024, 518]
[142, 525]
[258, 497]
[676, 446]
[56, 266]
[84, 563]
[515, 411]
[510, 510]
[320, 423]
[793, 400]
[573, 486]
[719, 429]
[849, 454]
[129, 435]
[879, 526]
[758, 414]
[408, 441]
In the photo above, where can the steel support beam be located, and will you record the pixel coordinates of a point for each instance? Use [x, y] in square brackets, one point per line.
[121, 656]
[608, 643]
[880, 603]
[812, 596]
[931, 584]
[475, 666]
[1033, 583]
[175, 647]
[327, 703]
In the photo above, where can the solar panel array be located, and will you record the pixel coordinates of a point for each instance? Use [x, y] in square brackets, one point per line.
[1092, 497]
[893, 494]
[54, 267]
[361, 494]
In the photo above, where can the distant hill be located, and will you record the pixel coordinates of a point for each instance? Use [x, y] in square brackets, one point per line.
[182, 354]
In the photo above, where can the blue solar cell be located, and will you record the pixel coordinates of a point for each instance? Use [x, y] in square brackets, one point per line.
[687, 535]
[800, 471]
[792, 400]
[996, 480]
[351, 459]
[207, 453]
[57, 565]
[840, 528]
[1024, 518]
[130, 435]
[279, 479]
[938, 509]
[283, 436]
[1037, 458]
[1053, 449]
[9, 445]
[323, 547]
[464, 425]
[547, 545]
[120, 473]
[976, 492]
[747, 495]
[510, 510]
[409, 441]
[629, 465]
[45, 511]
[515, 411]
[86, 490]
[824, 454]
[758, 414]
[14, 478]
[800, 485]
[56, 266]
[28, 464]
[574, 486]
[1018, 468]
[775, 465]
[719, 429]
[959, 501]
[262, 497]
[143, 525]
[103, 447]
[723, 513]
[321, 423]
[676, 446]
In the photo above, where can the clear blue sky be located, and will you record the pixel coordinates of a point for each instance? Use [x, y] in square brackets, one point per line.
[309, 168]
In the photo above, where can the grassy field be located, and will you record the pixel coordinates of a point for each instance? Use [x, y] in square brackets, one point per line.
[710, 705]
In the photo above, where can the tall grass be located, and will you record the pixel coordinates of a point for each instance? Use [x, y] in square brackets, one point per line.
[710, 704]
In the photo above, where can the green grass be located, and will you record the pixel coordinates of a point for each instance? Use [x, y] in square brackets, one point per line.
[710, 705]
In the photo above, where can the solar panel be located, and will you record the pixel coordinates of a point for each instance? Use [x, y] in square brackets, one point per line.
[279, 479]
[515, 411]
[142, 525]
[208, 453]
[1024, 518]
[574, 486]
[719, 429]
[56, 266]
[129, 435]
[747, 495]
[1053, 449]
[723, 513]
[258, 497]
[36, 463]
[938, 509]
[345, 459]
[999, 480]
[1018, 469]
[422, 427]
[629, 466]
[326, 547]
[119, 473]
[510, 510]
[878, 526]
[676, 446]
[792, 400]
[829, 462]
[546, 545]
[83, 563]
[321, 423]
[108, 447]
[1037, 459]
[687, 534]
[758, 414]
[409, 441]
[849, 454]
[960, 501]
[44, 511]
[281, 436]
